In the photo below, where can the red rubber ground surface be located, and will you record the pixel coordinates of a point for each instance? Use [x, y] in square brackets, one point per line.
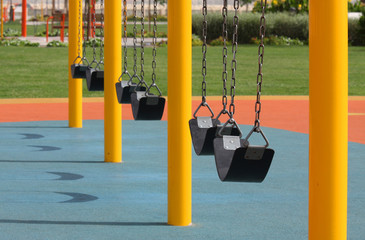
[281, 112]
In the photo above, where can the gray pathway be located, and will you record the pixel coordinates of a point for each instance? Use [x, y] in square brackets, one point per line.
[42, 40]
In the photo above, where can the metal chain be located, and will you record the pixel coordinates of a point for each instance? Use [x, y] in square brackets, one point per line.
[83, 36]
[124, 45]
[142, 41]
[154, 42]
[79, 31]
[101, 32]
[93, 19]
[204, 62]
[225, 53]
[125, 66]
[134, 39]
[232, 107]
[260, 63]
[83, 45]
[204, 51]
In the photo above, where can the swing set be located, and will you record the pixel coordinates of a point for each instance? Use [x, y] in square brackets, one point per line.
[236, 158]
[81, 67]
[145, 104]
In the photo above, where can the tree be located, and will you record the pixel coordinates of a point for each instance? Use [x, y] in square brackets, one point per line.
[246, 2]
[162, 2]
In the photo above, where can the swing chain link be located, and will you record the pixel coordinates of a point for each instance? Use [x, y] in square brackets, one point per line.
[232, 107]
[260, 64]
[204, 51]
[154, 42]
[204, 62]
[84, 40]
[142, 41]
[83, 36]
[93, 20]
[79, 32]
[154, 52]
[135, 37]
[224, 53]
[101, 32]
[125, 35]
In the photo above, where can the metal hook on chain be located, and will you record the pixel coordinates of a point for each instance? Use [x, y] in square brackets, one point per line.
[154, 52]
[256, 127]
[204, 63]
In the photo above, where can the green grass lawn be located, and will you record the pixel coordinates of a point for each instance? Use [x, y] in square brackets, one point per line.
[43, 72]
[31, 30]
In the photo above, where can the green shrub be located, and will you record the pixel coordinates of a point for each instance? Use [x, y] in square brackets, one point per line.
[93, 42]
[11, 33]
[353, 31]
[56, 44]
[361, 31]
[355, 7]
[248, 27]
[162, 44]
[160, 18]
[277, 24]
[278, 41]
[219, 42]
[293, 26]
[214, 25]
[147, 34]
[54, 33]
[17, 42]
[297, 6]
[195, 40]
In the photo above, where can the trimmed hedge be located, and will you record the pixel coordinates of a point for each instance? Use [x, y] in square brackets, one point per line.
[277, 24]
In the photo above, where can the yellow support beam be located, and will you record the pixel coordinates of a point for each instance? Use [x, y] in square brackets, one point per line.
[179, 109]
[328, 100]
[112, 71]
[74, 46]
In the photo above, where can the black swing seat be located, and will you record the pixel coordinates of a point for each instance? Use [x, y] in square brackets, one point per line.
[95, 79]
[78, 70]
[237, 161]
[203, 130]
[148, 107]
[125, 89]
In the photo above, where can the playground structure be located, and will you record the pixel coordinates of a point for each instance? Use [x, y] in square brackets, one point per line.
[328, 88]
[57, 18]
[328, 105]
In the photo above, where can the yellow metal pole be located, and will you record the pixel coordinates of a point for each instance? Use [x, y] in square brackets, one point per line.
[74, 85]
[179, 109]
[112, 70]
[328, 75]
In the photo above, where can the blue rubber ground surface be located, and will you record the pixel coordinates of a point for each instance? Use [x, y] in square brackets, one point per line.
[54, 185]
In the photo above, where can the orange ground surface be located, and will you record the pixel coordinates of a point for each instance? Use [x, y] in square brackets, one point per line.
[282, 112]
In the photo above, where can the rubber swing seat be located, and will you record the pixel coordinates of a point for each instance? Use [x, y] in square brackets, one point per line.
[149, 107]
[204, 130]
[95, 79]
[242, 163]
[125, 89]
[78, 70]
